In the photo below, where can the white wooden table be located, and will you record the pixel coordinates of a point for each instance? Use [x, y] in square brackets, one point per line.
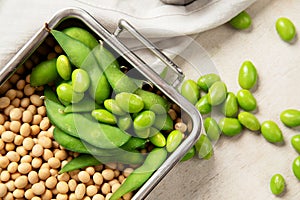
[242, 166]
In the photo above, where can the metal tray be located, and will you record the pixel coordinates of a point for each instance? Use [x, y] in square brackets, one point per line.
[70, 16]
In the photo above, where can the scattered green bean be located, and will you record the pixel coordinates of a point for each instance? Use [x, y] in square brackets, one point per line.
[247, 77]
[207, 80]
[203, 106]
[80, 80]
[104, 116]
[158, 139]
[212, 129]
[144, 120]
[129, 102]
[290, 117]
[277, 184]
[189, 155]
[191, 91]
[124, 122]
[204, 147]
[249, 121]
[271, 132]
[66, 93]
[230, 126]
[285, 29]
[246, 100]
[63, 67]
[230, 106]
[112, 106]
[217, 93]
[241, 21]
[295, 141]
[296, 167]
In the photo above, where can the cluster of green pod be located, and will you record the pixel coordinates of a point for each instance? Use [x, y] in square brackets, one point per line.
[100, 112]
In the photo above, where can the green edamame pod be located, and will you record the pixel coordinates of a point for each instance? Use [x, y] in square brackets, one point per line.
[119, 81]
[217, 93]
[271, 132]
[63, 67]
[204, 147]
[82, 35]
[285, 29]
[79, 162]
[44, 73]
[87, 104]
[249, 121]
[100, 135]
[154, 102]
[129, 102]
[140, 175]
[134, 143]
[80, 80]
[230, 126]
[247, 75]
[212, 129]
[290, 117]
[66, 93]
[277, 184]
[230, 106]
[144, 120]
[241, 21]
[173, 140]
[191, 91]
[203, 106]
[124, 122]
[190, 154]
[296, 167]
[112, 106]
[104, 116]
[158, 140]
[246, 100]
[163, 122]
[295, 141]
[207, 80]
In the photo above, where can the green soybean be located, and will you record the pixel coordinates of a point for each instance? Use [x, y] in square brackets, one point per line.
[295, 141]
[104, 116]
[79, 162]
[212, 129]
[112, 106]
[144, 120]
[290, 117]
[189, 155]
[44, 73]
[173, 140]
[230, 106]
[140, 175]
[230, 126]
[296, 167]
[163, 122]
[247, 77]
[246, 100]
[204, 147]
[191, 91]
[207, 80]
[249, 121]
[277, 184]
[80, 80]
[143, 133]
[241, 21]
[271, 132]
[285, 29]
[129, 102]
[124, 122]
[203, 106]
[154, 102]
[158, 139]
[82, 35]
[66, 93]
[217, 93]
[63, 67]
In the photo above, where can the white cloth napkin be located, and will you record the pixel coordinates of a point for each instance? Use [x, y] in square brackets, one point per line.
[19, 20]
